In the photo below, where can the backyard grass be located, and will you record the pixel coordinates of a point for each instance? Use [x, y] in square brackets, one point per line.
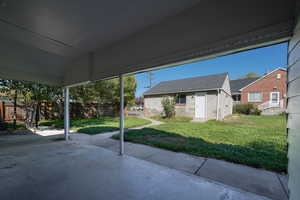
[97, 125]
[175, 119]
[257, 141]
[9, 126]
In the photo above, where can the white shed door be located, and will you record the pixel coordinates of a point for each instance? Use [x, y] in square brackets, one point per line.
[200, 105]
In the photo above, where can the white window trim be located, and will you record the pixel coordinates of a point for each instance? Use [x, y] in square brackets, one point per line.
[179, 98]
[251, 101]
[262, 77]
[277, 98]
[278, 76]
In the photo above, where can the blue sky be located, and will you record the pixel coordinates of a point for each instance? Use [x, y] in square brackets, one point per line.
[259, 60]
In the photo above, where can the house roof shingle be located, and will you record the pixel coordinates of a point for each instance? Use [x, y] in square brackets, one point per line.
[236, 85]
[199, 83]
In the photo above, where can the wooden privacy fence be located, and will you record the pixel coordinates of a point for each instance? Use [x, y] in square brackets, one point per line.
[55, 111]
[7, 112]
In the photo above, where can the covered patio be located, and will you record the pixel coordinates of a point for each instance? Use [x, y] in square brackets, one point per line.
[71, 43]
[64, 170]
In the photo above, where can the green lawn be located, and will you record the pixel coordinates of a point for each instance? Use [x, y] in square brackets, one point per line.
[258, 141]
[97, 125]
[9, 126]
[175, 119]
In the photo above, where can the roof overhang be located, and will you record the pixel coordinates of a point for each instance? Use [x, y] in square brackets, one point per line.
[65, 42]
[177, 92]
[264, 76]
[235, 93]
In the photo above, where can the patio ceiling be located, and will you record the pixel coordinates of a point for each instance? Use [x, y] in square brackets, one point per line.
[66, 42]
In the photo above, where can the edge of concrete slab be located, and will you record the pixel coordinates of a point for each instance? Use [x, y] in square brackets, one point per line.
[157, 158]
[266, 182]
[88, 155]
[192, 175]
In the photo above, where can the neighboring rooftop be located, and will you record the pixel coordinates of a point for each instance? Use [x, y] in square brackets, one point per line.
[236, 85]
[199, 83]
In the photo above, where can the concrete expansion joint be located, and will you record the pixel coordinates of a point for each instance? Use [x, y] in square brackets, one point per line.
[202, 164]
[282, 186]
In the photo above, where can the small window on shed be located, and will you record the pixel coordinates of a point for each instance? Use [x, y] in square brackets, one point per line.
[181, 99]
[278, 76]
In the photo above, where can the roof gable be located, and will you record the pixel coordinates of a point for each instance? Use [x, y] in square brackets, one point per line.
[238, 84]
[282, 69]
[200, 83]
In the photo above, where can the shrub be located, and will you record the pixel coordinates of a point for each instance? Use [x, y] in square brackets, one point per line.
[168, 104]
[243, 108]
[255, 111]
[246, 109]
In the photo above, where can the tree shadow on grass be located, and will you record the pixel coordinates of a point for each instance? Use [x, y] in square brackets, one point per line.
[97, 130]
[94, 121]
[256, 154]
[79, 122]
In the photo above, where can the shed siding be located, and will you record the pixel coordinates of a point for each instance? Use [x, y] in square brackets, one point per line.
[187, 110]
[225, 105]
[153, 107]
[211, 99]
[226, 101]
[226, 85]
[294, 114]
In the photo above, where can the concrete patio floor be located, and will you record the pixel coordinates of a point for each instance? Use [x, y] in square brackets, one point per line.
[61, 170]
[249, 179]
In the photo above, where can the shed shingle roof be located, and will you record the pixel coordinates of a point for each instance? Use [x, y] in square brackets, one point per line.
[199, 83]
[237, 84]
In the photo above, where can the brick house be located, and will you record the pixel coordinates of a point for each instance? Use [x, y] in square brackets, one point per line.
[267, 93]
[237, 85]
[201, 98]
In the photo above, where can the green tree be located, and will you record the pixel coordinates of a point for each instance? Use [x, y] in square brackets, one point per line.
[31, 95]
[82, 94]
[108, 92]
[250, 75]
[43, 93]
[34, 94]
[105, 92]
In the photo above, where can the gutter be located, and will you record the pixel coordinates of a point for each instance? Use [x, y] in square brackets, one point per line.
[185, 91]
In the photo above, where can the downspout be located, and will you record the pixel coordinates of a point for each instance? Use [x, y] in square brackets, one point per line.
[218, 102]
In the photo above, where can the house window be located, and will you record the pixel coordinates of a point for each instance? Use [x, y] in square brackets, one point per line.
[181, 99]
[278, 76]
[254, 97]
